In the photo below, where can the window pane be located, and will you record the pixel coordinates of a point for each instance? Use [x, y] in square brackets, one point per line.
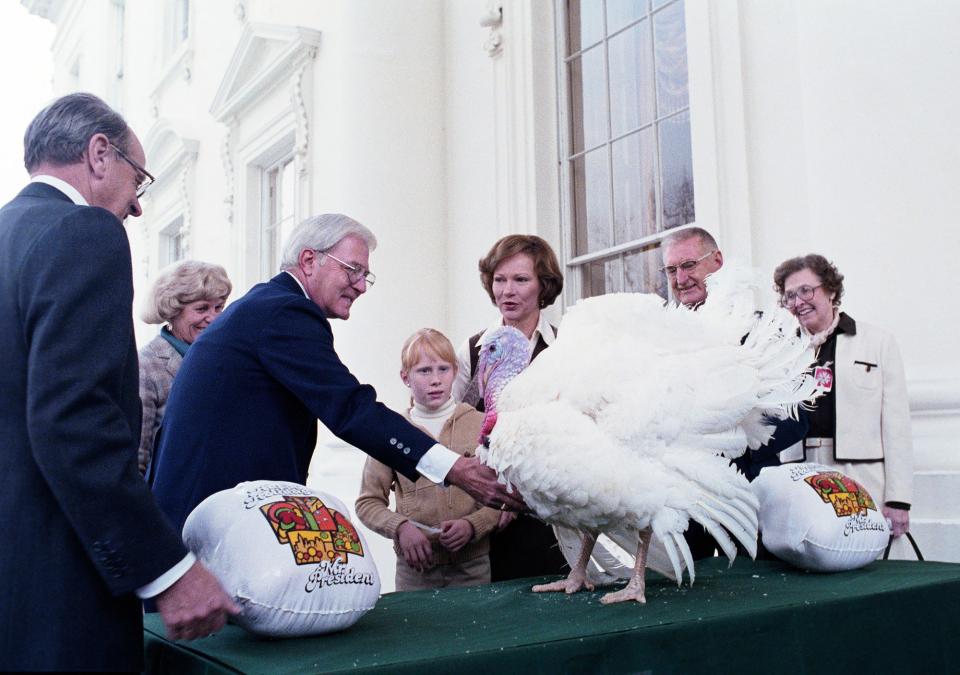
[602, 276]
[622, 12]
[641, 271]
[584, 23]
[634, 186]
[588, 100]
[631, 78]
[677, 171]
[670, 45]
[286, 192]
[591, 182]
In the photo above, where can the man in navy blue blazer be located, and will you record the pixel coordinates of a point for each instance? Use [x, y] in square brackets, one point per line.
[245, 403]
[82, 536]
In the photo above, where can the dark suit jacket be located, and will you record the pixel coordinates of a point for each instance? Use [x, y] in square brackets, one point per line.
[81, 531]
[244, 405]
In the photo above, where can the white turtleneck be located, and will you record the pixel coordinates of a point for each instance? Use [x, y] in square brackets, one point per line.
[432, 420]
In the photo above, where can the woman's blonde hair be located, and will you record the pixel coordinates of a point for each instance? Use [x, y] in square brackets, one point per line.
[426, 341]
[181, 283]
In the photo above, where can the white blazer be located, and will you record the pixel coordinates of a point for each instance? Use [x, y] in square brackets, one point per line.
[873, 412]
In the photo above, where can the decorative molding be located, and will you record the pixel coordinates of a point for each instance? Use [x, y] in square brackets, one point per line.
[302, 143]
[47, 9]
[282, 49]
[180, 67]
[168, 150]
[226, 156]
[493, 19]
[185, 222]
[240, 11]
[145, 246]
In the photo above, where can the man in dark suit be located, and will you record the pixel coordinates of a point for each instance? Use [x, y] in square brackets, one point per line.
[245, 403]
[82, 536]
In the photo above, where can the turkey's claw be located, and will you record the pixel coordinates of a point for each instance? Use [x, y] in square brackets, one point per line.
[632, 591]
[573, 583]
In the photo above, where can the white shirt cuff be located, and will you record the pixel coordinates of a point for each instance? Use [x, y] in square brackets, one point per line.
[167, 579]
[436, 463]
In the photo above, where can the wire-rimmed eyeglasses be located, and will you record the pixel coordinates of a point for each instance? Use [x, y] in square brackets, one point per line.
[354, 272]
[687, 265]
[144, 178]
[805, 293]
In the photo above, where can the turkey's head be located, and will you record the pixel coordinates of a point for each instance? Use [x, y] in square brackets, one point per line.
[504, 353]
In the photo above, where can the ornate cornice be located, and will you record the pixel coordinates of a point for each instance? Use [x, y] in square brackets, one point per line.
[280, 49]
[493, 19]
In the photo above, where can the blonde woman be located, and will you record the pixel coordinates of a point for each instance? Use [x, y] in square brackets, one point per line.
[185, 297]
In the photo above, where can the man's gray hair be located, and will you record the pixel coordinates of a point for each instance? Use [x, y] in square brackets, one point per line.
[59, 134]
[181, 283]
[322, 233]
[678, 236]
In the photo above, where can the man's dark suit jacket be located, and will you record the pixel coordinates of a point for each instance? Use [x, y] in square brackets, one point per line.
[81, 531]
[244, 405]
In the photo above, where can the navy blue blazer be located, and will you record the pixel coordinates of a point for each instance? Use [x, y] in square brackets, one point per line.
[245, 403]
[81, 530]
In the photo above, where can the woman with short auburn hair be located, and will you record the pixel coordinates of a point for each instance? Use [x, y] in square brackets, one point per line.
[522, 276]
[186, 296]
[861, 425]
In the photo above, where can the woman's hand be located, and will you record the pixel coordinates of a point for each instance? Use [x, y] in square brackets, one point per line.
[899, 520]
[455, 534]
[414, 546]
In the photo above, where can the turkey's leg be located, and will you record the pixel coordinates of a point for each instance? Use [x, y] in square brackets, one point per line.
[577, 578]
[634, 590]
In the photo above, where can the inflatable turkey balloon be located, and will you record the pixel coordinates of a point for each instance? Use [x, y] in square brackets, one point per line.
[288, 555]
[817, 518]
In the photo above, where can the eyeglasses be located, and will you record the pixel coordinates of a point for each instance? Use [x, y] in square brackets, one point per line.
[805, 293]
[354, 273]
[687, 265]
[144, 178]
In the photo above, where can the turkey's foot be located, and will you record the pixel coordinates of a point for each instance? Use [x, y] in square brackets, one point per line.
[573, 583]
[632, 591]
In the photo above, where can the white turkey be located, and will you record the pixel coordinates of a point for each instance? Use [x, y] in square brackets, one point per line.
[625, 426]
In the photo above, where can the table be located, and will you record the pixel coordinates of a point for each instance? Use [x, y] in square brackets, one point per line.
[891, 616]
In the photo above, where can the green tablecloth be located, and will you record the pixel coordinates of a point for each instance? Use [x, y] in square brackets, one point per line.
[755, 617]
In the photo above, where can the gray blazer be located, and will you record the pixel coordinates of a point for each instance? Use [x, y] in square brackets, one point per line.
[159, 363]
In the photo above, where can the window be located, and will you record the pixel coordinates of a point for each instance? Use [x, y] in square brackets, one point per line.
[178, 25]
[279, 181]
[625, 139]
[172, 246]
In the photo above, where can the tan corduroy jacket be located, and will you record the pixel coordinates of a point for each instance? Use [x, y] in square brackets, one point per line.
[428, 503]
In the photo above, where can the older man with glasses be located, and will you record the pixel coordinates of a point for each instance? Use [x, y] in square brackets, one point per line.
[246, 401]
[690, 255]
[83, 537]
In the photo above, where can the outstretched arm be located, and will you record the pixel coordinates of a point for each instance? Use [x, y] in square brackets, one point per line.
[482, 483]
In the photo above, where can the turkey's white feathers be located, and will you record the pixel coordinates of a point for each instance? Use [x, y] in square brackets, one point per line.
[619, 425]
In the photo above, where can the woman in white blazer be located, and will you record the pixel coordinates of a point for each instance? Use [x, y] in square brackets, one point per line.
[861, 425]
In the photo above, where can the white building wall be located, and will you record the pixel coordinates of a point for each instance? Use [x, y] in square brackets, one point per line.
[854, 153]
[824, 126]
